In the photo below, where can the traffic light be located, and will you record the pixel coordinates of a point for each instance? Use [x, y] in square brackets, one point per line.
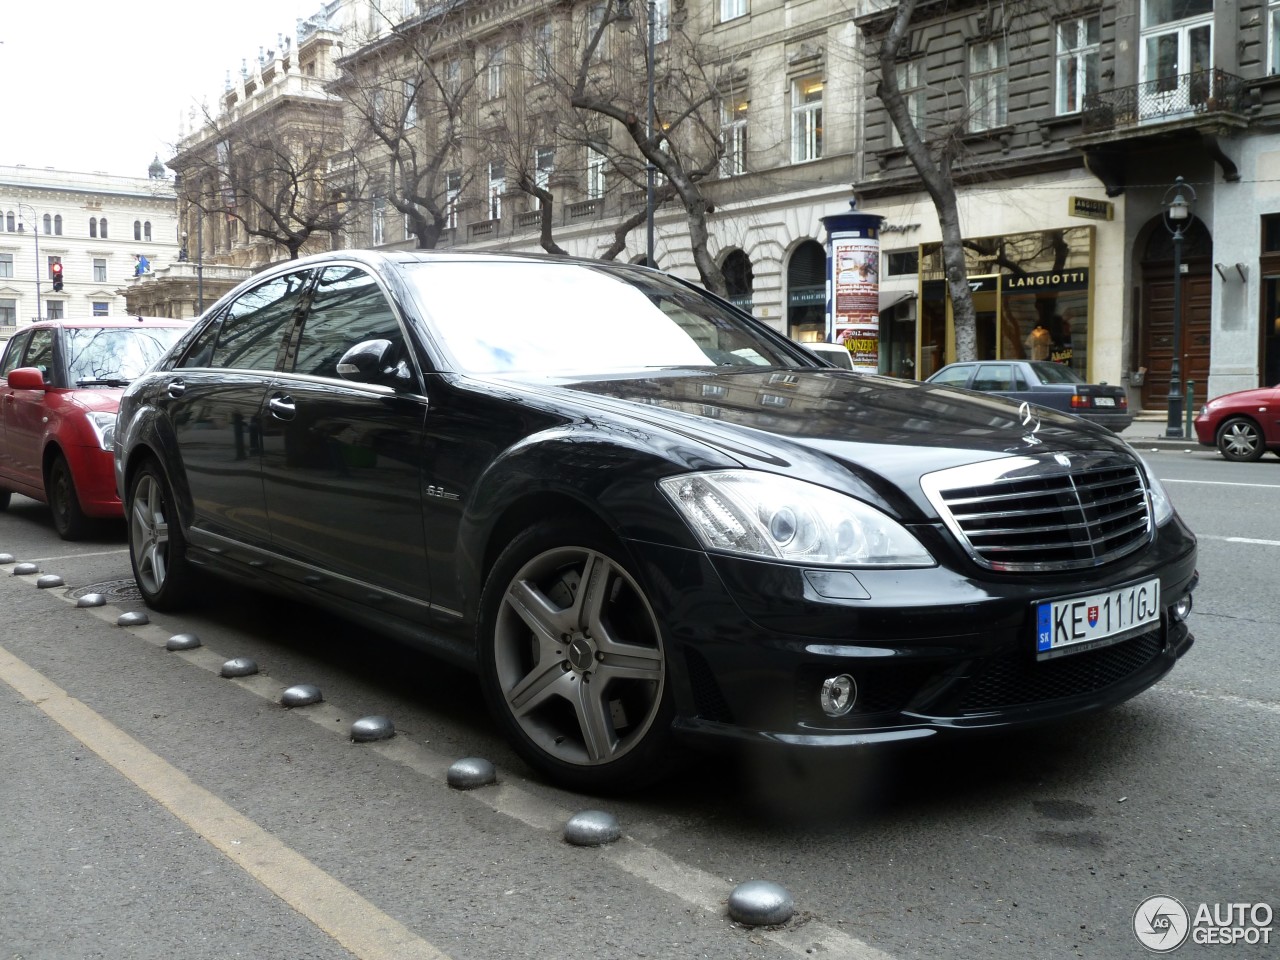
[56, 270]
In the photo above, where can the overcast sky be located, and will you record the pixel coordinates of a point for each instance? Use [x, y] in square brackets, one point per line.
[101, 85]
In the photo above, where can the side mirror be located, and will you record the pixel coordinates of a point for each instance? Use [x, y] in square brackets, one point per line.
[27, 378]
[373, 361]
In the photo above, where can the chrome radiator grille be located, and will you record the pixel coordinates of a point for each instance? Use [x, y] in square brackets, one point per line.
[1041, 514]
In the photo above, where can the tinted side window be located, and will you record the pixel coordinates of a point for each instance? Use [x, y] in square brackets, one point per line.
[993, 376]
[14, 353]
[200, 353]
[346, 308]
[953, 376]
[257, 321]
[40, 352]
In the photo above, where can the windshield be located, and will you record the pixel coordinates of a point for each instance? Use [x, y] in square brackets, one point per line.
[1055, 372]
[108, 355]
[547, 318]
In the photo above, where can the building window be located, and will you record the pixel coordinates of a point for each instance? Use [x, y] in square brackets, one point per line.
[379, 220]
[732, 9]
[988, 80]
[53, 310]
[410, 104]
[6, 264]
[99, 270]
[497, 184]
[1077, 62]
[913, 93]
[595, 17]
[57, 225]
[453, 78]
[544, 163]
[806, 119]
[146, 230]
[93, 226]
[1177, 44]
[493, 72]
[101, 309]
[595, 173]
[900, 262]
[1273, 36]
[544, 50]
[48, 224]
[8, 313]
[408, 229]
[9, 221]
[102, 225]
[452, 193]
[733, 134]
[661, 20]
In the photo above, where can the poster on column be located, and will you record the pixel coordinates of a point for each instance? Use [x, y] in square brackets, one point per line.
[856, 296]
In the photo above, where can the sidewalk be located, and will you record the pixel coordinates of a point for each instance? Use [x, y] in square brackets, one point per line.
[1148, 432]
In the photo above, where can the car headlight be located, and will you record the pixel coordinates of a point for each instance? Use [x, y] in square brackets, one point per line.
[104, 428]
[1161, 505]
[778, 518]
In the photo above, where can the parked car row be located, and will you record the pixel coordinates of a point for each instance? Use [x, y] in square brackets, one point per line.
[647, 520]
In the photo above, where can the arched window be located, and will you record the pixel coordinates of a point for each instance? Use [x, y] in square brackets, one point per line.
[48, 224]
[103, 224]
[93, 226]
[739, 277]
[8, 221]
[807, 292]
[146, 230]
[137, 229]
[57, 225]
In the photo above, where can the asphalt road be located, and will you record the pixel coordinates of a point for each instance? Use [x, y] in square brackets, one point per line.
[152, 808]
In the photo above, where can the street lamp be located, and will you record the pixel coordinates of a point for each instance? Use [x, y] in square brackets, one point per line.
[35, 232]
[1177, 202]
[624, 14]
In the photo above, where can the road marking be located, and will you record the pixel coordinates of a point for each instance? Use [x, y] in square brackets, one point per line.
[1224, 483]
[77, 556]
[343, 914]
[1264, 543]
[1230, 698]
[696, 887]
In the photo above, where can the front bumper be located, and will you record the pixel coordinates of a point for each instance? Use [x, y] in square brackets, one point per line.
[939, 650]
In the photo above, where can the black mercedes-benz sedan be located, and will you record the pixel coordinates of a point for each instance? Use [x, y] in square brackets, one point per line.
[644, 517]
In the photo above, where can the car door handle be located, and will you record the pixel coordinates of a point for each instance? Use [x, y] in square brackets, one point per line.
[282, 408]
[177, 388]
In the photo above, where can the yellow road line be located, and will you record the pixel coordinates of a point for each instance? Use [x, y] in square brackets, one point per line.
[340, 912]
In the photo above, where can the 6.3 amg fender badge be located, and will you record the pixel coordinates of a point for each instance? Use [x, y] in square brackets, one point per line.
[441, 492]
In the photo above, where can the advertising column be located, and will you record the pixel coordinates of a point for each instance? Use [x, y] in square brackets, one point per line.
[853, 285]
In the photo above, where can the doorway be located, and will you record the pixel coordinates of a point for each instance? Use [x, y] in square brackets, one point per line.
[1196, 283]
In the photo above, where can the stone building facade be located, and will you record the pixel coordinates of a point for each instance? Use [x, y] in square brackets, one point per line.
[92, 225]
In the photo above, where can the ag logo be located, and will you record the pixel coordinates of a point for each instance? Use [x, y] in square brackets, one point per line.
[1161, 924]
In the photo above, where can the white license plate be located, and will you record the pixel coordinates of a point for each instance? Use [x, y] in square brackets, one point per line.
[1104, 401]
[1080, 622]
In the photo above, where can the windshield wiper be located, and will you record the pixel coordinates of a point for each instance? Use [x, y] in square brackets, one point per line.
[104, 382]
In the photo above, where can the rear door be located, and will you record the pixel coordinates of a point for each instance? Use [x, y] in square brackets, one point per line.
[215, 400]
[343, 461]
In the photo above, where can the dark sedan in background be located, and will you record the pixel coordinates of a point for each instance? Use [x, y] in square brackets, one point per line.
[645, 517]
[1052, 385]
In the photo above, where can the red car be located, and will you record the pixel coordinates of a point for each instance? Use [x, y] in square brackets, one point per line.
[1242, 425]
[58, 411]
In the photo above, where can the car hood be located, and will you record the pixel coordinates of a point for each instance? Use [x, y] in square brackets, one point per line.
[97, 400]
[884, 431]
[1265, 395]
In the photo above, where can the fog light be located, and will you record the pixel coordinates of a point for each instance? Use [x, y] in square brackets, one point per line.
[838, 695]
[1182, 609]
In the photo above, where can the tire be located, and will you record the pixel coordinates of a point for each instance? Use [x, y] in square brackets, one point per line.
[576, 678]
[157, 548]
[68, 519]
[1240, 440]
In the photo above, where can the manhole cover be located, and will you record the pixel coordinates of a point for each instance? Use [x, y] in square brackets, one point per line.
[115, 591]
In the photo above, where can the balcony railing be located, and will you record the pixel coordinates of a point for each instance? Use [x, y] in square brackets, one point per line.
[1185, 95]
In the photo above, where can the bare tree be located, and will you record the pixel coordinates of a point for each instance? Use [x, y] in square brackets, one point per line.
[269, 174]
[684, 145]
[409, 94]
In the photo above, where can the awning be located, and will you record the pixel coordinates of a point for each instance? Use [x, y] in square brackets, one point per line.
[891, 298]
